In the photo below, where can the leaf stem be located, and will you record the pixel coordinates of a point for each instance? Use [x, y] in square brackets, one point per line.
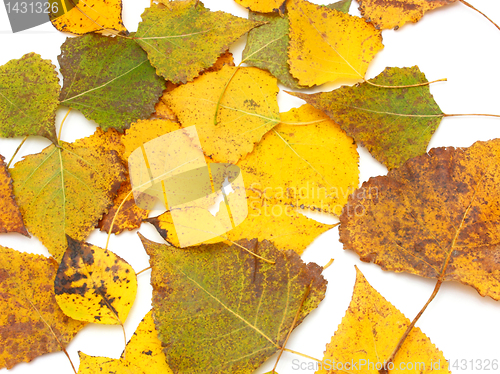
[471, 114]
[217, 107]
[302, 354]
[61, 126]
[114, 218]
[484, 15]
[408, 86]
[17, 150]
[143, 270]
[384, 370]
[304, 297]
[328, 264]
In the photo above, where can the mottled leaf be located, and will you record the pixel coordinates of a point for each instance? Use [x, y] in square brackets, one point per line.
[182, 38]
[109, 80]
[368, 334]
[11, 219]
[307, 161]
[31, 323]
[90, 15]
[393, 124]
[394, 14]
[29, 90]
[247, 111]
[435, 216]
[219, 309]
[94, 285]
[65, 190]
[142, 355]
[267, 45]
[327, 45]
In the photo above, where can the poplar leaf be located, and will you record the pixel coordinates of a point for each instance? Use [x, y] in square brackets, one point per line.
[29, 90]
[94, 285]
[435, 216]
[31, 322]
[307, 162]
[368, 333]
[11, 219]
[247, 111]
[239, 307]
[142, 355]
[109, 80]
[89, 16]
[394, 124]
[186, 31]
[64, 190]
[327, 45]
[387, 15]
[263, 6]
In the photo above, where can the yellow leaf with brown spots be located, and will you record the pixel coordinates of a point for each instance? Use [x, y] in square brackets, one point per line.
[394, 14]
[11, 219]
[94, 285]
[89, 16]
[109, 140]
[327, 45]
[436, 216]
[31, 322]
[369, 331]
[248, 109]
[65, 190]
[307, 161]
[142, 355]
[263, 6]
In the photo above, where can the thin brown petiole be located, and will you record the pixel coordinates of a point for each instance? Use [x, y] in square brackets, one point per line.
[471, 114]
[410, 85]
[143, 270]
[410, 327]
[17, 150]
[484, 15]
[304, 297]
[61, 126]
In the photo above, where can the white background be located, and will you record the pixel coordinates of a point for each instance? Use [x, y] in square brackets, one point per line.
[453, 42]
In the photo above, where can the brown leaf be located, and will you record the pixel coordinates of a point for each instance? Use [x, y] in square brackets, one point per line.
[11, 219]
[435, 216]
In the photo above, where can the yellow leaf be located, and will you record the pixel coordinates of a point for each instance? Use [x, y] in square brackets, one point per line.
[248, 110]
[142, 355]
[91, 15]
[31, 322]
[394, 14]
[143, 131]
[10, 216]
[326, 45]
[263, 6]
[368, 334]
[310, 166]
[281, 224]
[94, 285]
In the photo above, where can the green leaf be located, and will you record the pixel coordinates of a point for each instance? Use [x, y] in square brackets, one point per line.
[219, 309]
[29, 90]
[65, 190]
[109, 80]
[394, 124]
[183, 38]
[267, 45]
